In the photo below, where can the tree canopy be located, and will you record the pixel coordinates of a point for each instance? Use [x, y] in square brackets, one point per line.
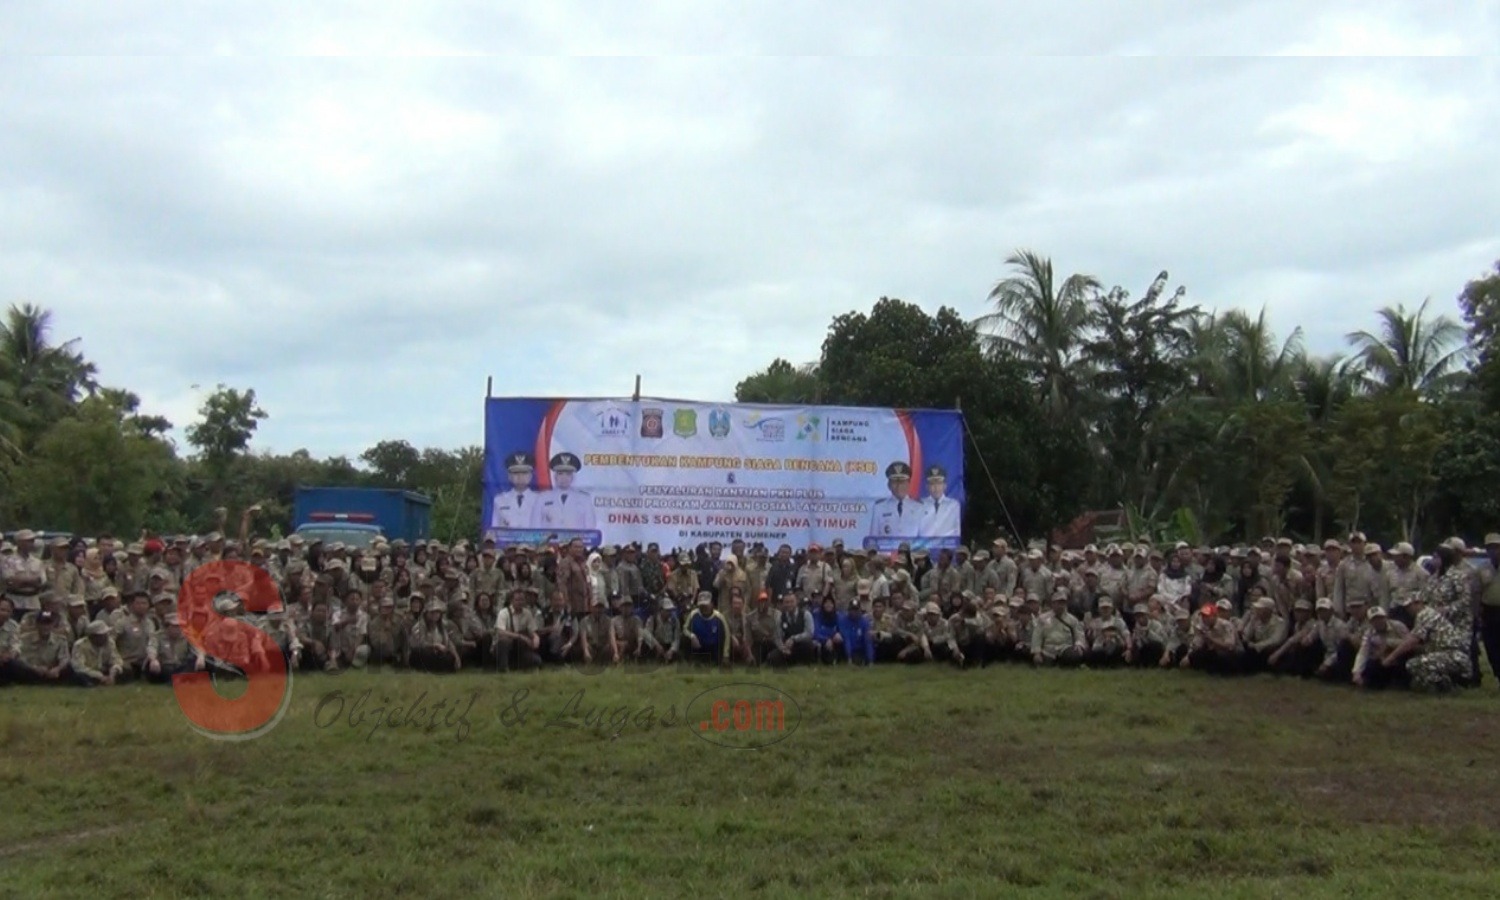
[1205, 425]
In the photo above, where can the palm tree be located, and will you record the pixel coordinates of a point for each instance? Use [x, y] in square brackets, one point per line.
[1255, 368]
[44, 379]
[1324, 385]
[1411, 352]
[1042, 323]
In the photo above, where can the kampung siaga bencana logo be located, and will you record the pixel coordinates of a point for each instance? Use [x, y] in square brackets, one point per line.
[809, 428]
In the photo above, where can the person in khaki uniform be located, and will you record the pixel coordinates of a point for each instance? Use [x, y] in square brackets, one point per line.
[1148, 636]
[1355, 578]
[1404, 578]
[1263, 633]
[1108, 635]
[94, 659]
[663, 632]
[1302, 652]
[44, 653]
[1333, 557]
[682, 584]
[1381, 640]
[489, 578]
[940, 643]
[763, 627]
[63, 578]
[133, 632]
[23, 575]
[518, 640]
[1058, 637]
[432, 647]
[1036, 578]
[1216, 646]
[630, 633]
[597, 634]
[1488, 590]
[172, 653]
[387, 635]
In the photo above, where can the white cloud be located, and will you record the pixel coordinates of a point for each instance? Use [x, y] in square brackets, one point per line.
[365, 238]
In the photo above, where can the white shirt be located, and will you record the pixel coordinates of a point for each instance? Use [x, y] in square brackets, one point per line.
[514, 509]
[940, 517]
[568, 510]
[895, 517]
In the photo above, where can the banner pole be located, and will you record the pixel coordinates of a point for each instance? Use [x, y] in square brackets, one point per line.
[489, 387]
[637, 396]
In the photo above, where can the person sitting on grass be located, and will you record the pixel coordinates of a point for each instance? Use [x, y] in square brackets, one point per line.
[1109, 636]
[1057, 638]
[1384, 636]
[826, 637]
[94, 659]
[706, 633]
[938, 640]
[630, 634]
[663, 633]
[1301, 652]
[172, 653]
[1148, 636]
[432, 646]
[1262, 633]
[517, 642]
[856, 634]
[44, 653]
[970, 631]
[1216, 644]
[597, 634]
[317, 639]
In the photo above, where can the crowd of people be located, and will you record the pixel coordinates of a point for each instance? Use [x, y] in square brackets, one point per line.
[99, 611]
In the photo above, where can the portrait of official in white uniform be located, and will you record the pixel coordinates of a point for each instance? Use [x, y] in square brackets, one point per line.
[563, 508]
[940, 513]
[899, 515]
[516, 508]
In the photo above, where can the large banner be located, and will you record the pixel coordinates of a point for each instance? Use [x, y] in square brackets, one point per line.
[681, 474]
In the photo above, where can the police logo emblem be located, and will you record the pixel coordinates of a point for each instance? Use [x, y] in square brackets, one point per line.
[651, 423]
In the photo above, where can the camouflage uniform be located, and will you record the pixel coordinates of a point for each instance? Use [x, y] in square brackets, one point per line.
[1445, 653]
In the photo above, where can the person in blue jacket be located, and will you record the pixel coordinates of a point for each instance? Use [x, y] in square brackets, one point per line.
[826, 634]
[858, 636]
[707, 633]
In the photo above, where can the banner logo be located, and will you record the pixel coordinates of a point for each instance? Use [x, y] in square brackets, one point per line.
[809, 428]
[651, 423]
[614, 422]
[685, 422]
[772, 430]
[718, 423]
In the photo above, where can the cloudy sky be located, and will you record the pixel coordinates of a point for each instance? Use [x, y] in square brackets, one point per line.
[363, 211]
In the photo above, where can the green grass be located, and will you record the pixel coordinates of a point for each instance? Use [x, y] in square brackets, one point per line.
[895, 783]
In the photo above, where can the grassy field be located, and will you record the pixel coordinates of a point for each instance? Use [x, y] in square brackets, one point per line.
[892, 782]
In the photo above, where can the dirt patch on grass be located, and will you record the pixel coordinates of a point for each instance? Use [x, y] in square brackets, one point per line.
[61, 841]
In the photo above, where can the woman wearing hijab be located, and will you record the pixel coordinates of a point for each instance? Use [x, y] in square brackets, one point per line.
[826, 635]
[598, 584]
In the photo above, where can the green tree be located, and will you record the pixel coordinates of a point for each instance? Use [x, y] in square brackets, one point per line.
[44, 381]
[90, 473]
[781, 382]
[1138, 354]
[1410, 352]
[1385, 450]
[1480, 303]
[230, 418]
[1042, 323]
[393, 462]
